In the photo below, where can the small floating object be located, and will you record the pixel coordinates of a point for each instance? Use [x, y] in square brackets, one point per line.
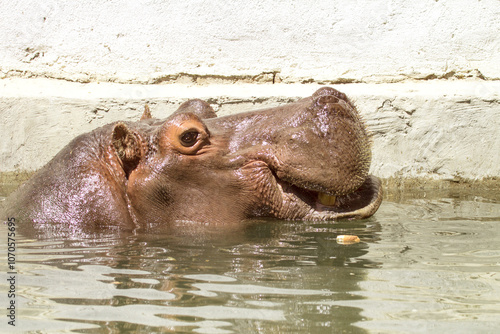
[347, 239]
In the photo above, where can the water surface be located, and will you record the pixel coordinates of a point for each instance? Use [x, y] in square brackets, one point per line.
[427, 262]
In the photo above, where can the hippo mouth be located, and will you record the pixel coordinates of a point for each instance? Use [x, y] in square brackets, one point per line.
[285, 199]
[361, 203]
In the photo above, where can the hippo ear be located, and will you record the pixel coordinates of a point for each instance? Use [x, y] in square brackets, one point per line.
[127, 146]
[200, 108]
[147, 113]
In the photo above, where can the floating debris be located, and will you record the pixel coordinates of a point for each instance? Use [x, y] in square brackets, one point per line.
[347, 239]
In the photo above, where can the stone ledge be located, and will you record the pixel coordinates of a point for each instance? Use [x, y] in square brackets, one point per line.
[435, 129]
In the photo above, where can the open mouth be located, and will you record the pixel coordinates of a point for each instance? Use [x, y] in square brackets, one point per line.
[285, 200]
[361, 203]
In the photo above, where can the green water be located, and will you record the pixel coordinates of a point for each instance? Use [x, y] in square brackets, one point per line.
[426, 263]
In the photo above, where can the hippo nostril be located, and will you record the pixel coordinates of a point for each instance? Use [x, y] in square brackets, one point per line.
[326, 99]
[335, 107]
[329, 91]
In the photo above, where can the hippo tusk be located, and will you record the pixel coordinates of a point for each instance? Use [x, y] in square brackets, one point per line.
[326, 199]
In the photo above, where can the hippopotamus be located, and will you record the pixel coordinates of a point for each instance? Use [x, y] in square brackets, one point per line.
[307, 160]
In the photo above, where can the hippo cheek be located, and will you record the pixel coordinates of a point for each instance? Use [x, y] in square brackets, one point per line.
[187, 191]
[144, 200]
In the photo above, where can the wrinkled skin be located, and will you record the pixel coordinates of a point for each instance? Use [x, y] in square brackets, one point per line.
[307, 160]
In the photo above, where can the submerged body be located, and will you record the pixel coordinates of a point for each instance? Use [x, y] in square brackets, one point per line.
[305, 160]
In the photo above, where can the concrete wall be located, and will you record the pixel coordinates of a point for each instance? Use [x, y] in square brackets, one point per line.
[425, 74]
[150, 41]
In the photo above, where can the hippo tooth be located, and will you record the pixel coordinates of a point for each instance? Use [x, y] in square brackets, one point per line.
[326, 199]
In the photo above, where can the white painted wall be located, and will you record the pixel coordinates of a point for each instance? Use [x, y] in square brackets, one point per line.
[425, 74]
[139, 40]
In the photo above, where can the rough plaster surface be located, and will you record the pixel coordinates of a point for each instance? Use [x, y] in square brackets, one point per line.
[438, 129]
[263, 40]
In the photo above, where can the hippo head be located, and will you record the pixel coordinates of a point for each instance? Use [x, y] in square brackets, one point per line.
[306, 160]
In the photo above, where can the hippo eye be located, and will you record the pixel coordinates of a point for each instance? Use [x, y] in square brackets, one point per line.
[189, 138]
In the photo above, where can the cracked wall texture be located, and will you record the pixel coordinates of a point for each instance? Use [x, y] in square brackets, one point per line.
[263, 40]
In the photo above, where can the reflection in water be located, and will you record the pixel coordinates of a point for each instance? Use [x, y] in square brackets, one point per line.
[423, 264]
